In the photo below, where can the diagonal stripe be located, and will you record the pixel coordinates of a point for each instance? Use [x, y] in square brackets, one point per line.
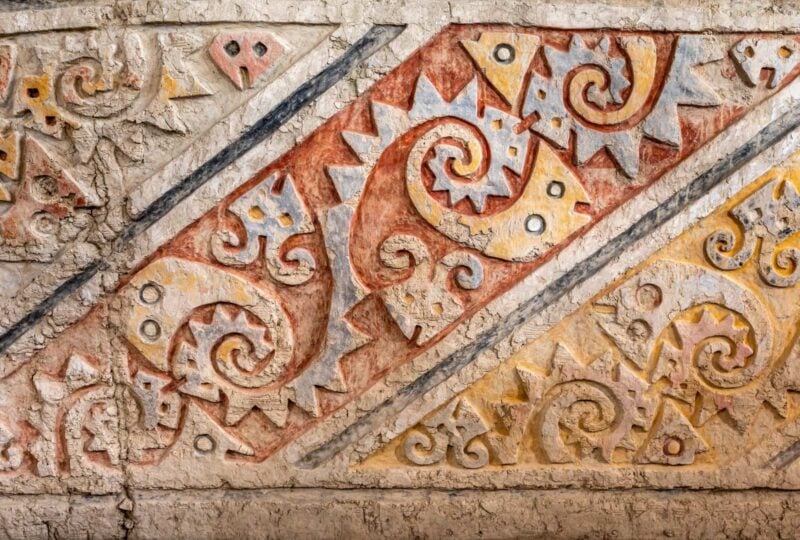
[377, 37]
[455, 362]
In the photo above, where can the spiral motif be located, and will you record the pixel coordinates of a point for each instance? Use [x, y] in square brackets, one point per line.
[642, 54]
[101, 90]
[231, 349]
[449, 161]
[590, 412]
[716, 347]
[425, 448]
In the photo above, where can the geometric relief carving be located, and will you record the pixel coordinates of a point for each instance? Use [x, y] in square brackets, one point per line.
[457, 426]
[772, 214]
[424, 301]
[778, 56]
[43, 207]
[77, 416]
[595, 406]
[672, 365]
[277, 218]
[107, 109]
[474, 163]
[245, 57]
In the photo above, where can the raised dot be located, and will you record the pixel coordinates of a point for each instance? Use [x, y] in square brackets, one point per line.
[150, 293]
[749, 52]
[150, 329]
[437, 308]
[535, 224]
[204, 443]
[784, 52]
[673, 446]
[555, 189]
[504, 53]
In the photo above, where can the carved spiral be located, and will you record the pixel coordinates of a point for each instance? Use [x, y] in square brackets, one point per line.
[587, 410]
[589, 81]
[721, 347]
[779, 268]
[472, 455]
[719, 248]
[234, 348]
[719, 350]
[716, 359]
[89, 90]
[463, 174]
[425, 448]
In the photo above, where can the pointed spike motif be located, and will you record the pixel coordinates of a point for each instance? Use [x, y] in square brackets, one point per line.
[684, 86]
[673, 440]
[45, 201]
[595, 405]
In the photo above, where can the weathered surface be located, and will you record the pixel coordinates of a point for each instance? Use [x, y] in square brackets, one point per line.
[263, 247]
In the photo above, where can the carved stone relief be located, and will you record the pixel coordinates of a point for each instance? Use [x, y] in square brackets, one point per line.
[87, 116]
[470, 166]
[686, 361]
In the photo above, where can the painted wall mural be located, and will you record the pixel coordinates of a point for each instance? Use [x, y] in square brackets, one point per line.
[690, 359]
[460, 173]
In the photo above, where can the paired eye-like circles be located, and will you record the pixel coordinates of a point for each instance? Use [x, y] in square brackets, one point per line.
[233, 48]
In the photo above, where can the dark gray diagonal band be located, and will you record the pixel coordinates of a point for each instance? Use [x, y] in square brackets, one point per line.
[457, 361]
[372, 41]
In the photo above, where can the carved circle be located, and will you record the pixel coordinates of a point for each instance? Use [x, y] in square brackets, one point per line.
[673, 446]
[44, 189]
[639, 330]
[150, 330]
[204, 444]
[45, 224]
[535, 224]
[504, 53]
[150, 293]
[555, 189]
[649, 296]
